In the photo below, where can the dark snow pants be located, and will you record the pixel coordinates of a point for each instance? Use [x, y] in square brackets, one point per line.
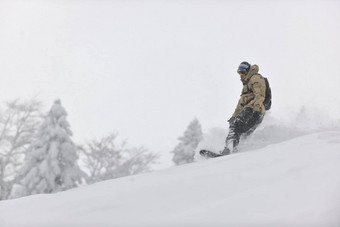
[244, 124]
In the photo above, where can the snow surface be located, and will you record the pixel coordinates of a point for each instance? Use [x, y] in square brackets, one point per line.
[290, 183]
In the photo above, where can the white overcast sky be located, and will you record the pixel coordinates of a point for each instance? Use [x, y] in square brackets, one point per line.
[145, 69]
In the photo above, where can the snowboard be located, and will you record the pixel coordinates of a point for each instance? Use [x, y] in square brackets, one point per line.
[209, 154]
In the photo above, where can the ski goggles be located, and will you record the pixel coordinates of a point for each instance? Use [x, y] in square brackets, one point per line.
[242, 71]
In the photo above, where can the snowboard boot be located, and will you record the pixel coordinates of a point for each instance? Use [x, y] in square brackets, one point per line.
[225, 151]
[231, 147]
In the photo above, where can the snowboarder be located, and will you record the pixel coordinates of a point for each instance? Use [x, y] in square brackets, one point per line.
[254, 101]
[250, 109]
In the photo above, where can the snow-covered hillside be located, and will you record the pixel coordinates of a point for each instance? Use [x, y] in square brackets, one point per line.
[290, 183]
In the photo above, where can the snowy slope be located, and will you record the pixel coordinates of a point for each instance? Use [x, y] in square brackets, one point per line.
[292, 183]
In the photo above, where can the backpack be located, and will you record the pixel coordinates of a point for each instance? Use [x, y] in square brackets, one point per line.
[268, 98]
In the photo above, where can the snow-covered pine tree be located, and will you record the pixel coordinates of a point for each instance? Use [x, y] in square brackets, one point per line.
[184, 152]
[51, 163]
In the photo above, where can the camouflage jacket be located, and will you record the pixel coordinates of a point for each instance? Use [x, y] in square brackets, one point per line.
[253, 92]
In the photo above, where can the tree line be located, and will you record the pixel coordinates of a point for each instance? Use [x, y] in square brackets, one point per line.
[37, 154]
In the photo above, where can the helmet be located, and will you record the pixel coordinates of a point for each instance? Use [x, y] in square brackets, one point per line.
[243, 68]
